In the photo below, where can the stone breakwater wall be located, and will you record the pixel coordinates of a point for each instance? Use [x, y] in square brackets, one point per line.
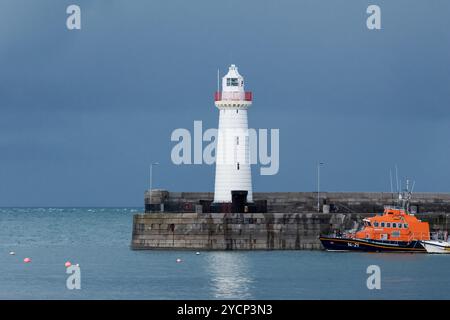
[295, 202]
[249, 231]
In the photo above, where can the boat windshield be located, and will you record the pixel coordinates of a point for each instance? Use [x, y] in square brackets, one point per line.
[367, 223]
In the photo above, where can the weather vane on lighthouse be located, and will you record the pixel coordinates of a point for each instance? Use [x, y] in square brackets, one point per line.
[233, 172]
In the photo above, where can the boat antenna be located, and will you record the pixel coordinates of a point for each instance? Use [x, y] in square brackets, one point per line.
[392, 189]
[396, 177]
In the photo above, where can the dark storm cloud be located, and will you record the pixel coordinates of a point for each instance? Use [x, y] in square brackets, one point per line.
[83, 113]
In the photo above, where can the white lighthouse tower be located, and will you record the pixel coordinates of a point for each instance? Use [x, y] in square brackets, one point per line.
[232, 154]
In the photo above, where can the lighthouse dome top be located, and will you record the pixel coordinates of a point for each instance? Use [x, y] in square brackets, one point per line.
[233, 81]
[233, 94]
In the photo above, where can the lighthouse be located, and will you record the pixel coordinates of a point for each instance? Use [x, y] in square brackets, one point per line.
[233, 172]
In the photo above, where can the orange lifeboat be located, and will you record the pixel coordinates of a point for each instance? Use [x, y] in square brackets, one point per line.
[395, 230]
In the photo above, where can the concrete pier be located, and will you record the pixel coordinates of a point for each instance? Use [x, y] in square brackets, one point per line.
[297, 202]
[249, 231]
[180, 220]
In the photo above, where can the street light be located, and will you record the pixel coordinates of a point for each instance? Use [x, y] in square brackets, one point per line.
[151, 175]
[319, 164]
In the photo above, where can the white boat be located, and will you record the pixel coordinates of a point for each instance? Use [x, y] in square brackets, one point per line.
[436, 246]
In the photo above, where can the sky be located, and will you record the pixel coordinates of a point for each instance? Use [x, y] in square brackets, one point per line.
[84, 112]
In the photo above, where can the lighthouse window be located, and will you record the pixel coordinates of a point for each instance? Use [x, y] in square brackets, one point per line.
[388, 225]
[382, 224]
[238, 165]
[232, 82]
[394, 225]
[375, 224]
[237, 140]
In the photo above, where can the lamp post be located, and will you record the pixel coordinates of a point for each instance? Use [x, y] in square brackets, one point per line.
[151, 175]
[319, 164]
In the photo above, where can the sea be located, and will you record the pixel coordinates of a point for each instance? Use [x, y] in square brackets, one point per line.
[98, 240]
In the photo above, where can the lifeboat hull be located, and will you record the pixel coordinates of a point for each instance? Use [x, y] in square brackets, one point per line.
[367, 245]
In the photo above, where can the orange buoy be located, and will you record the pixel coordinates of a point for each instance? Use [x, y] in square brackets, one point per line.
[27, 260]
[67, 264]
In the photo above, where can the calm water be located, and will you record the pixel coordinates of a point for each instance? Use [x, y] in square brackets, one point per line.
[98, 239]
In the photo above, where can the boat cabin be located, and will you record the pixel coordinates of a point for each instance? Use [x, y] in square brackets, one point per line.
[395, 224]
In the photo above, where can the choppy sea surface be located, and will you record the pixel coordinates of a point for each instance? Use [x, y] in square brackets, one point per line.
[98, 239]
